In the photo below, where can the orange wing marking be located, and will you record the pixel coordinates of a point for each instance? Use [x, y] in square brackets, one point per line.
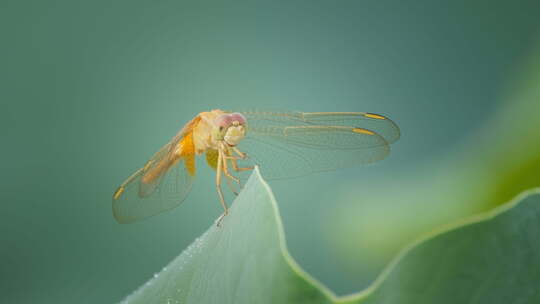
[375, 116]
[363, 131]
[187, 152]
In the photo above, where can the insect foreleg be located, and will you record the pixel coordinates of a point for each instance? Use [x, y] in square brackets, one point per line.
[226, 167]
[234, 160]
[240, 153]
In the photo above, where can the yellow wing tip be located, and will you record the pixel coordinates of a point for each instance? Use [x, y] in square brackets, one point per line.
[375, 116]
[363, 131]
[118, 192]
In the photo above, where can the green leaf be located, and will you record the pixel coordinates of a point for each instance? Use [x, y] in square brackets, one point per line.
[491, 258]
[242, 261]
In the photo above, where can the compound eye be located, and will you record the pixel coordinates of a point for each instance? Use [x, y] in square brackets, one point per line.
[238, 117]
[223, 121]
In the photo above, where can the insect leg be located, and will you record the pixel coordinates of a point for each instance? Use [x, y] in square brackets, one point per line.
[234, 161]
[235, 167]
[218, 187]
[226, 167]
[233, 190]
[240, 153]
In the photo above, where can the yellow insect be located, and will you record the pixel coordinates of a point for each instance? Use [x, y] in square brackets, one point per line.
[283, 144]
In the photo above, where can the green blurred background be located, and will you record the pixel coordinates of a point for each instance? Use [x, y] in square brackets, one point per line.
[91, 89]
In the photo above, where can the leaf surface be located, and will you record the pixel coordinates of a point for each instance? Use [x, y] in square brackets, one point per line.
[489, 258]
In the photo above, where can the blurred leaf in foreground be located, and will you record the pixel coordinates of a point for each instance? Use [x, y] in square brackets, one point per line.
[491, 258]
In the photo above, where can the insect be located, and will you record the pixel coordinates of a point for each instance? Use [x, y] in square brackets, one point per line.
[283, 144]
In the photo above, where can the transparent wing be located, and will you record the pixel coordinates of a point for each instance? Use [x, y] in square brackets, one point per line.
[162, 184]
[377, 123]
[287, 145]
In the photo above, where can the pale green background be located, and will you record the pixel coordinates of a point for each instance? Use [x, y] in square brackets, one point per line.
[90, 89]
